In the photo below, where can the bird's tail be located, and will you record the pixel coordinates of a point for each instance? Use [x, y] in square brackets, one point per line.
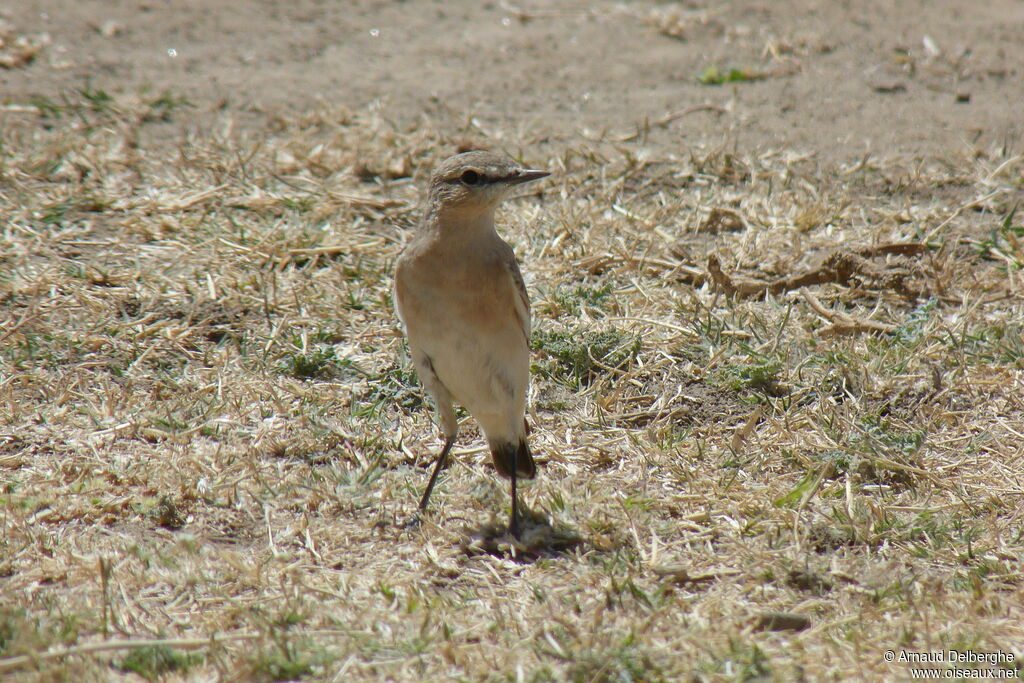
[510, 455]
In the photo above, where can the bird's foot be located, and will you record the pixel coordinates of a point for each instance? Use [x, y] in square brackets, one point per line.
[413, 522]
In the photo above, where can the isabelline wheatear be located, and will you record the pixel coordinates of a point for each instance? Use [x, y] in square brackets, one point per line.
[466, 312]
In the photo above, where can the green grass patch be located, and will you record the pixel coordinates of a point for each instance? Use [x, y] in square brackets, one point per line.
[156, 661]
[573, 300]
[583, 355]
[714, 75]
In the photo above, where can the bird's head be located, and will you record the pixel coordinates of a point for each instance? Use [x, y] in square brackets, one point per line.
[476, 182]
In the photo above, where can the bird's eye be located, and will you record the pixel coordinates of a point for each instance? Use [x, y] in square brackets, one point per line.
[470, 178]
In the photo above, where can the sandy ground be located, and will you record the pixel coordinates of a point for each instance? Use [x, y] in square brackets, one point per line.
[837, 79]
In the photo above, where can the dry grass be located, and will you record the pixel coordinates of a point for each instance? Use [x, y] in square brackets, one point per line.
[210, 432]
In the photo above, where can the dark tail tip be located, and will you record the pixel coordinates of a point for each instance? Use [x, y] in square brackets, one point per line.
[508, 456]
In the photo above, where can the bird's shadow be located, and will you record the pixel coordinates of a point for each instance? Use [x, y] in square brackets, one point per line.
[537, 538]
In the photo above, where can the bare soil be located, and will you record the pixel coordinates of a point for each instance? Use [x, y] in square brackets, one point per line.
[837, 79]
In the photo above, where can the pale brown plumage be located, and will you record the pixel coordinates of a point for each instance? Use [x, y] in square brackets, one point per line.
[466, 311]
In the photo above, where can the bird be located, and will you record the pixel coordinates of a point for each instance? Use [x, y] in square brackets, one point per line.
[461, 297]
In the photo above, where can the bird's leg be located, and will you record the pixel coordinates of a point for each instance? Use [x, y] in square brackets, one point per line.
[437, 469]
[415, 519]
[514, 526]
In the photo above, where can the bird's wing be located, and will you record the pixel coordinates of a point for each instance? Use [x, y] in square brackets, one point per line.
[522, 299]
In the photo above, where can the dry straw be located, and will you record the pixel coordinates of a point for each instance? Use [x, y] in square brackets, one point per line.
[779, 405]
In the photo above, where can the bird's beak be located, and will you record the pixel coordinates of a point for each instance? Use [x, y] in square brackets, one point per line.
[526, 175]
